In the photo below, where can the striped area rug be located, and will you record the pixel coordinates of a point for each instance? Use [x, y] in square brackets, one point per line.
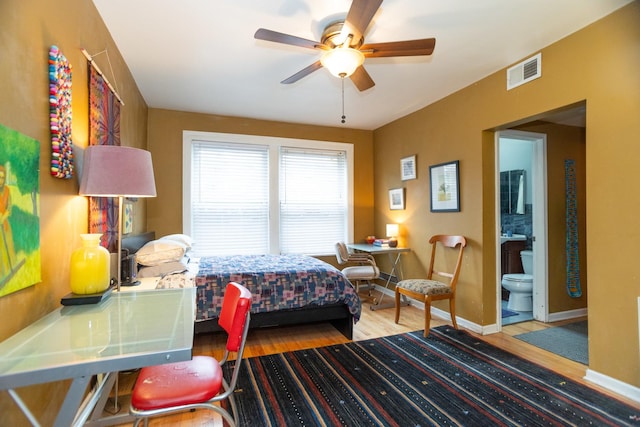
[451, 378]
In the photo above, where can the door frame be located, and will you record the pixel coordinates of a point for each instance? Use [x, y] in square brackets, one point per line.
[539, 218]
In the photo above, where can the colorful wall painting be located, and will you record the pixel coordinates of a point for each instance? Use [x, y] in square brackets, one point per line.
[104, 129]
[19, 211]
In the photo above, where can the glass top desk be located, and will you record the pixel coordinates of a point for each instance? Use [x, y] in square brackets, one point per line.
[127, 331]
[396, 266]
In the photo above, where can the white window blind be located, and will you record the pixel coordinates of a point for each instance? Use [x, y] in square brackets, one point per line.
[313, 200]
[229, 199]
[246, 194]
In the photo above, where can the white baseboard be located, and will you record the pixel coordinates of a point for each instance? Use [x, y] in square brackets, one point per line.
[616, 386]
[566, 315]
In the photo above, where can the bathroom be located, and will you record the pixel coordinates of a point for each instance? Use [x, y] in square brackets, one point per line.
[516, 220]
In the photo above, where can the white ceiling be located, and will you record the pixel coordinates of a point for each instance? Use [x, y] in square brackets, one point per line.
[201, 56]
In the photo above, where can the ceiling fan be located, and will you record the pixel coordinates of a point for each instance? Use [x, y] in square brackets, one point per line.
[344, 47]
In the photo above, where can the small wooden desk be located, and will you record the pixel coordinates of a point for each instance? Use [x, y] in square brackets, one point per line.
[127, 331]
[396, 266]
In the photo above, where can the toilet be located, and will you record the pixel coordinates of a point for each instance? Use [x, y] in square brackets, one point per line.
[520, 286]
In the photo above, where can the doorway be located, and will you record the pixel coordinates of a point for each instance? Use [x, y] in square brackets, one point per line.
[522, 216]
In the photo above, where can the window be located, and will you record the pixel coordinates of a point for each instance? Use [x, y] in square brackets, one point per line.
[252, 195]
[313, 199]
[229, 198]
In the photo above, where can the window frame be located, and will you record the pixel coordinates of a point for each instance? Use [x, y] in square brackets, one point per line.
[274, 144]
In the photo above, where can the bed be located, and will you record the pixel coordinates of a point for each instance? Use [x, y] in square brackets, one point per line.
[286, 289]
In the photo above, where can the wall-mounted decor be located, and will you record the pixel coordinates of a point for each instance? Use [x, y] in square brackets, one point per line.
[445, 189]
[408, 168]
[104, 129]
[19, 211]
[60, 114]
[127, 220]
[396, 199]
[573, 258]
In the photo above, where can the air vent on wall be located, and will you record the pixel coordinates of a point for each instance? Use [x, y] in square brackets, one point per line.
[527, 70]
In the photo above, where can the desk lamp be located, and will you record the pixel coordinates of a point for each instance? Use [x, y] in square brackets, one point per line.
[116, 171]
[392, 234]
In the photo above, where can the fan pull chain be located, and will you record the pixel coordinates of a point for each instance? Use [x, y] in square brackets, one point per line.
[343, 116]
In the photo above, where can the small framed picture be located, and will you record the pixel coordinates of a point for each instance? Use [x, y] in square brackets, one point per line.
[396, 199]
[445, 188]
[408, 168]
[127, 221]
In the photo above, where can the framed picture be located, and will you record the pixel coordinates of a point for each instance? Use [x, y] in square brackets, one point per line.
[127, 221]
[445, 188]
[408, 168]
[396, 199]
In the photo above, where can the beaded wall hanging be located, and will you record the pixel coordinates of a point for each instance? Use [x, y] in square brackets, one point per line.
[573, 259]
[60, 114]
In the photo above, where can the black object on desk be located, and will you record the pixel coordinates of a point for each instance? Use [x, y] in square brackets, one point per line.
[78, 299]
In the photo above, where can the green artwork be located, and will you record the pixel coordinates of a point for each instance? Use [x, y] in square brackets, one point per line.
[19, 211]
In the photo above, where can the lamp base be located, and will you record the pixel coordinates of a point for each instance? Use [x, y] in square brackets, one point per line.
[79, 299]
[393, 243]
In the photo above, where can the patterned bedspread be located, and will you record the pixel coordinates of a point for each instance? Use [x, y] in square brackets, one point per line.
[277, 282]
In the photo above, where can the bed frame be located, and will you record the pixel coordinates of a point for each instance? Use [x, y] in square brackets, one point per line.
[336, 314]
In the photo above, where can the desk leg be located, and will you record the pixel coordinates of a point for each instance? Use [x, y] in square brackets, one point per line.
[23, 407]
[97, 399]
[121, 414]
[72, 401]
[73, 411]
[395, 268]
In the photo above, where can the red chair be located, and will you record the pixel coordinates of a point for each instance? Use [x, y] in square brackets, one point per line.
[199, 382]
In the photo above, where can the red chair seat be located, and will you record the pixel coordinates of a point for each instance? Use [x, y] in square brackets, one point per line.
[174, 384]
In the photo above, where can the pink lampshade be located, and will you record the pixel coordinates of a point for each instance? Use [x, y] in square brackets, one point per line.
[113, 171]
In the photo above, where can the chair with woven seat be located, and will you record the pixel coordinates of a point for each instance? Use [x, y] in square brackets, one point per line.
[199, 382]
[363, 266]
[429, 289]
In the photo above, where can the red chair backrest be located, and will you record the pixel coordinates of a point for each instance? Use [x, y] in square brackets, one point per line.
[235, 307]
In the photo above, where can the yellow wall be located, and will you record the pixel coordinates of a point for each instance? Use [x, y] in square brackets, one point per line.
[29, 28]
[165, 144]
[599, 65]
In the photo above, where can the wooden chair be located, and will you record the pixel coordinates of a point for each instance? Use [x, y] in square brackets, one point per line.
[429, 290]
[363, 266]
[199, 382]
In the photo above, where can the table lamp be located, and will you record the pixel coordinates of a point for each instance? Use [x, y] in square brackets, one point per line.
[116, 171]
[392, 232]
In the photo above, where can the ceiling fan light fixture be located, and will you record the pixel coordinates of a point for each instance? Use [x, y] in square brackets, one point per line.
[342, 61]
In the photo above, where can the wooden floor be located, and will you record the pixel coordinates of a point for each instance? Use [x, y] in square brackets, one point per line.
[373, 324]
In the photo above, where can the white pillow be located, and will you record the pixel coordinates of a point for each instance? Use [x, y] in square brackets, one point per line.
[162, 269]
[160, 251]
[180, 238]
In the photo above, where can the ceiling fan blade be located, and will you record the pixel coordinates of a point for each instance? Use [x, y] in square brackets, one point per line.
[302, 73]
[274, 36]
[402, 48]
[362, 79]
[359, 17]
